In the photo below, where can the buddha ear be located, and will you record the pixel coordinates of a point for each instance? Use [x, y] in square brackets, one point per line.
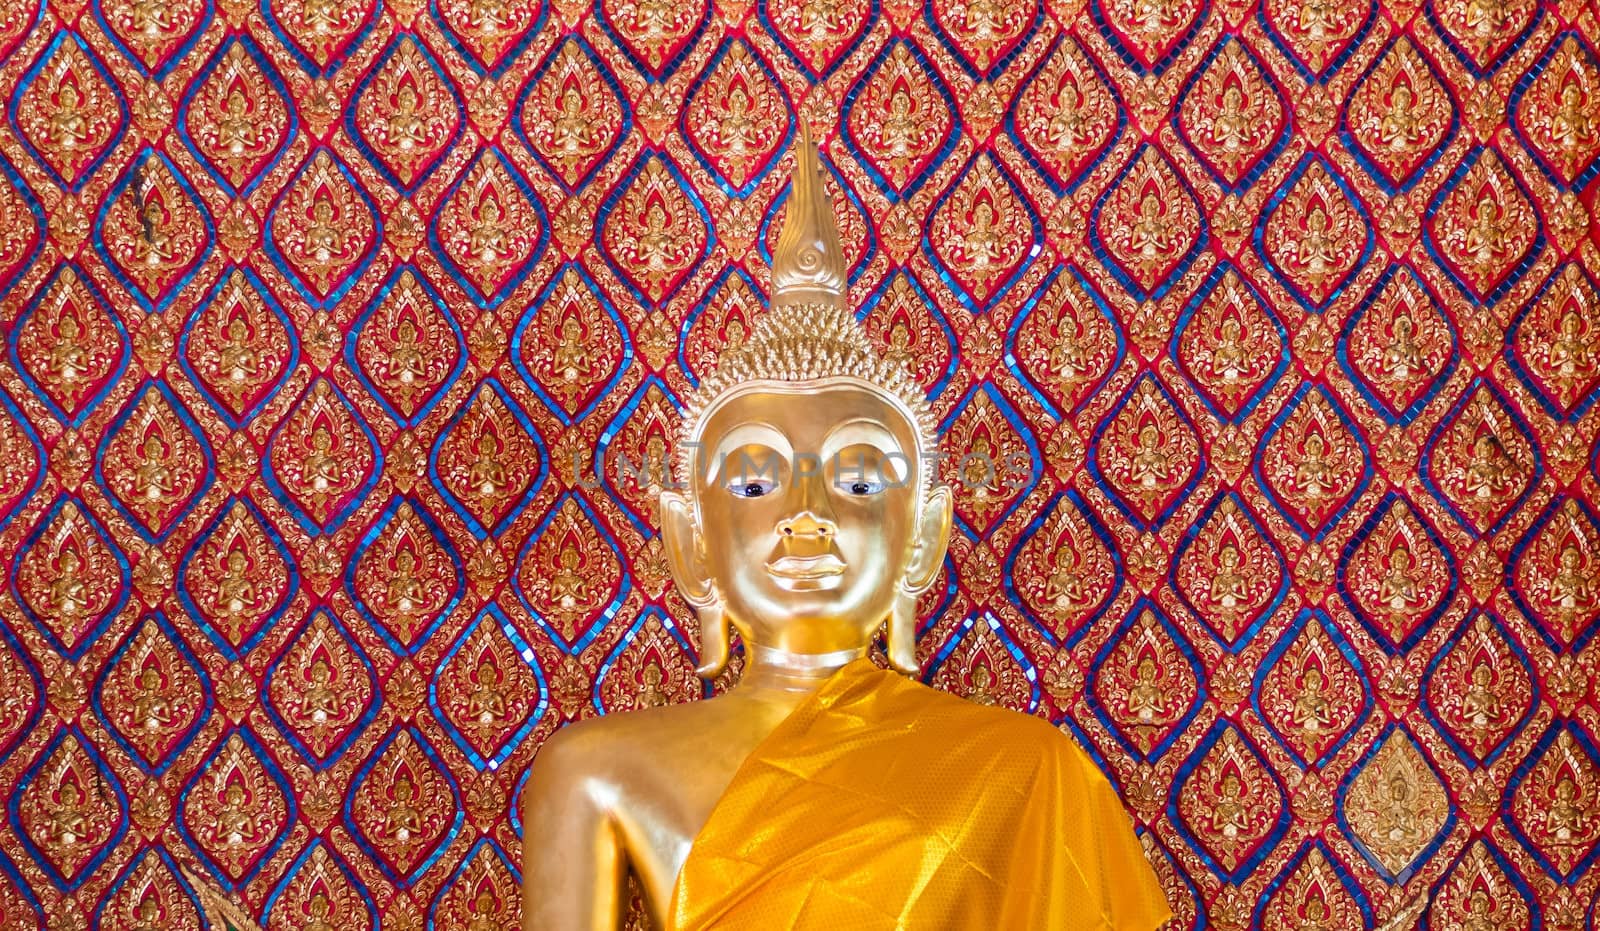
[927, 557]
[685, 550]
[932, 540]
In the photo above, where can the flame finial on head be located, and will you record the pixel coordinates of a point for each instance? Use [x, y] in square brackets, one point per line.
[809, 332]
[808, 264]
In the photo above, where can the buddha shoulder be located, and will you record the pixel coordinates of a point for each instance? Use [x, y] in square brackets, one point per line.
[999, 729]
[595, 745]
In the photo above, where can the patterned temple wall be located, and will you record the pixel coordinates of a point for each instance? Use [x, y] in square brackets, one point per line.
[319, 315]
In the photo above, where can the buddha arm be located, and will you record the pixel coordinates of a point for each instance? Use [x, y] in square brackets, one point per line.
[573, 861]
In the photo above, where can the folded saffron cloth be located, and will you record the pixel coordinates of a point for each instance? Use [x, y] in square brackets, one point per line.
[881, 803]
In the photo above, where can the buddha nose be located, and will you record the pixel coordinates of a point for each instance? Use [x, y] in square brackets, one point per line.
[807, 524]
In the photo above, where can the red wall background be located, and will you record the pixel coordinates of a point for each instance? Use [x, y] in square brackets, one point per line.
[317, 314]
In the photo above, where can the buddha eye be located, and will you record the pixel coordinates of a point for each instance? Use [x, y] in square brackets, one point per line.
[751, 488]
[860, 487]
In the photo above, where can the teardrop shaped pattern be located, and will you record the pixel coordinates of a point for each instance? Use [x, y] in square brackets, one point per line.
[1483, 39]
[983, 233]
[1067, 569]
[69, 810]
[148, 895]
[1312, 462]
[1400, 116]
[154, 37]
[655, 231]
[1232, 115]
[407, 578]
[573, 115]
[981, 663]
[650, 668]
[1149, 36]
[719, 323]
[1399, 348]
[1555, 343]
[1231, 809]
[1483, 887]
[1311, 690]
[568, 576]
[239, 578]
[490, 692]
[488, 461]
[571, 346]
[492, 230]
[635, 453]
[319, 887]
[1552, 801]
[1228, 572]
[403, 805]
[490, 36]
[1067, 115]
[1317, 38]
[322, 460]
[1230, 345]
[1314, 889]
[483, 893]
[68, 112]
[320, 33]
[68, 347]
[237, 118]
[1147, 453]
[736, 119]
[1482, 461]
[154, 462]
[1553, 576]
[407, 113]
[322, 691]
[1479, 689]
[1557, 112]
[1146, 684]
[818, 36]
[901, 124]
[239, 346]
[1317, 236]
[324, 228]
[236, 811]
[655, 35]
[1395, 805]
[406, 347]
[69, 578]
[154, 695]
[1483, 228]
[1149, 228]
[983, 36]
[1065, 343]
[1001, 464]
[910, 331]
[1396, 574]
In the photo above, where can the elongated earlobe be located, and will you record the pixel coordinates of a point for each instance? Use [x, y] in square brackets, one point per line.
[713, 638]
[902, 633]
[927, 557]
[684, 547]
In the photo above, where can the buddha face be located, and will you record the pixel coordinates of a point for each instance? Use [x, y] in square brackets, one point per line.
[805, 514]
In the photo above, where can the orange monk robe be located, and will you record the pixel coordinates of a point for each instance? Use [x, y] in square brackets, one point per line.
[880, 804]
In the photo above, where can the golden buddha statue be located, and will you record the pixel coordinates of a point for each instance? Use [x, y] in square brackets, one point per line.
[820, 791]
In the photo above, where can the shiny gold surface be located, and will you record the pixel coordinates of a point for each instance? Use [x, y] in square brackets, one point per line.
[808, 522]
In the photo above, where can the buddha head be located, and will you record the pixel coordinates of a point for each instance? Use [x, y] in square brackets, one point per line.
[806, 512]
